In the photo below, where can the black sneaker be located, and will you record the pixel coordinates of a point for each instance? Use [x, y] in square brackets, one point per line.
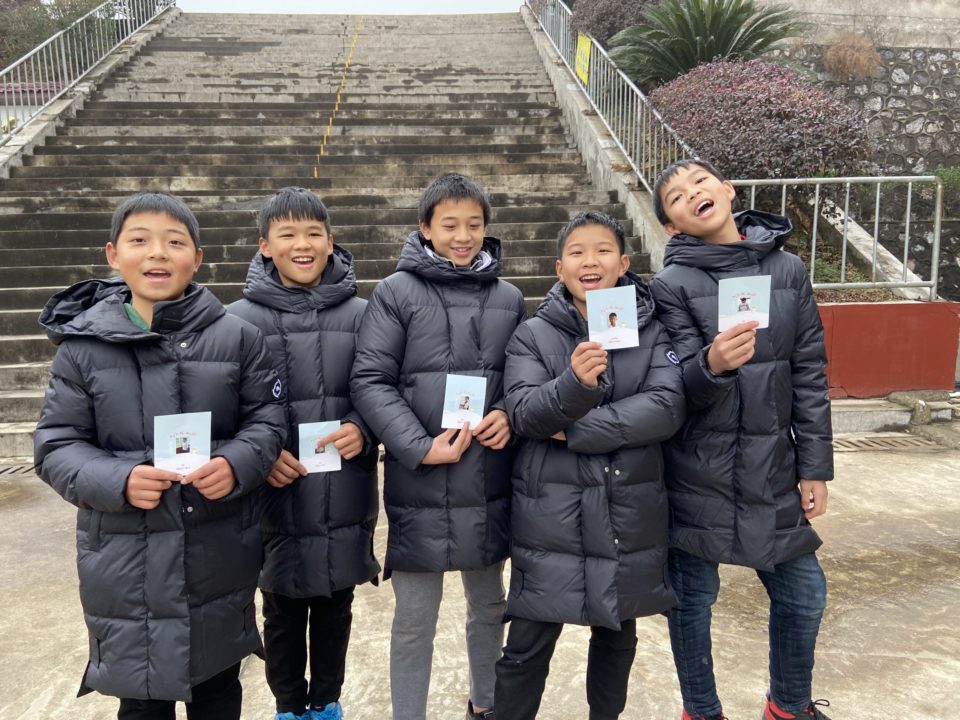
[687, 716]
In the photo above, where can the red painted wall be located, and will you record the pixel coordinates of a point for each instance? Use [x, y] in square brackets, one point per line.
[874, 349]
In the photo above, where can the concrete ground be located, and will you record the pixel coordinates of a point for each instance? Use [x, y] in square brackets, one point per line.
[889, 646]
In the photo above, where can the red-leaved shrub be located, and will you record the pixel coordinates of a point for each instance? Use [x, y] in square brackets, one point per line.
[605, 18]
[755, 119]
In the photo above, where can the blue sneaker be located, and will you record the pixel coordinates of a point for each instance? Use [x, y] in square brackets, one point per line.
[292, 716]
[331, 711]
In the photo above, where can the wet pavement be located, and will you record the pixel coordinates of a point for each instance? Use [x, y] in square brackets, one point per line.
[889, 646]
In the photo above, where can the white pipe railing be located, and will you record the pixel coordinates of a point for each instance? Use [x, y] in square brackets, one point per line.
[650, 145]
[852, 209]
[45, 73]
[648, 142]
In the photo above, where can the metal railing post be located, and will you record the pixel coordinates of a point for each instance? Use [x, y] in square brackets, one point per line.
[52, 68]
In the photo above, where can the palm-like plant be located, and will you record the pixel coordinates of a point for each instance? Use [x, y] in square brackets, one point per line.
[678, 35]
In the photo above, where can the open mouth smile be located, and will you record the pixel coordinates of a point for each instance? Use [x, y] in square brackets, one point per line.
[590, 281]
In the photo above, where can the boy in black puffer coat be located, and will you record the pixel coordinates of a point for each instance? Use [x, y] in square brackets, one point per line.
[446, 492]
[317, 527]
[168, 564]
[589, 514]
[747, 473]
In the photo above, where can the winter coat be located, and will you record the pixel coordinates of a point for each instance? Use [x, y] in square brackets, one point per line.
[751, 434]
[426, 320]
[589, 515]
[317, 531]
[167, 594]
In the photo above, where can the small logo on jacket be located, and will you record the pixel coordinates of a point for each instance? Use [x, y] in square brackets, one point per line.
[277, 389]
[672, 357]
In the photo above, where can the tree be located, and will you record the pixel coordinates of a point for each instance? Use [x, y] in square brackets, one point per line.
[27, 24]
[678, 35]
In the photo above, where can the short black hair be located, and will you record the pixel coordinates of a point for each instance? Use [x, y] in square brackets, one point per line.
[668, 172]
[592, 217]
[452, 186]
[292, 203]
[155, 202]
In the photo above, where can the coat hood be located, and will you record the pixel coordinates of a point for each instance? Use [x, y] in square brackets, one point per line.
[558, 309]
[418, 257]
[337, 283]
[763, 233]
[94, 308]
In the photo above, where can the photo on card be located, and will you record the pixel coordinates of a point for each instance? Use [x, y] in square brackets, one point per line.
[181, 443]
[314, 455]
[743, 299]
[612, 317]
[463, 401]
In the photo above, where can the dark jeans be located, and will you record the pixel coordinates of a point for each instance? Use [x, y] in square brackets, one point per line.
[218, 698]
[798, 594]
[285, 623]
[523, 669]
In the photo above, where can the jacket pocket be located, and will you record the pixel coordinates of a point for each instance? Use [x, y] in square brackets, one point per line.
[516, 581]
[93, 530]
[94, 650]
[532, 467]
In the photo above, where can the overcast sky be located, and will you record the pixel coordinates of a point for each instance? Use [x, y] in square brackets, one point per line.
[352, 7]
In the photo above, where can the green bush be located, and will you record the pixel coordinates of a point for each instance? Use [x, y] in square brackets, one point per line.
[755, 119]
[675, 37]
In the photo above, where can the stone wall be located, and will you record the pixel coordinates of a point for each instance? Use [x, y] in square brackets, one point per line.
[911, 104]
[918, 23]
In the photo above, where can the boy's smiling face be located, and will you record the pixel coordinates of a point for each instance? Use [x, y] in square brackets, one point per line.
[456, 230]
[300, 250]
[591, 260]
[156, 257]
[699, 204]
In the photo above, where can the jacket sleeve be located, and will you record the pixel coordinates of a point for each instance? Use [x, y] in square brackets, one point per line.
[371, 442]
[500, 403]
[262, 427]
[538, 404]
[375, 380]
[66, 451]
[701, 386]
[812, 428]
[651, 416]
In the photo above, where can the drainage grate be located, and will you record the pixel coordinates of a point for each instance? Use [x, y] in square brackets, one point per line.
[7, 471]
[882, 442]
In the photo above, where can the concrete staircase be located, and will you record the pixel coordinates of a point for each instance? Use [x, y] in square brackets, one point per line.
[222, 110]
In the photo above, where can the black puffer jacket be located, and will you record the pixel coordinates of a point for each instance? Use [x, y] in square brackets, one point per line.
[427, 320]
[753, 434]
[318, 531]
[167, 594]
[589, 515]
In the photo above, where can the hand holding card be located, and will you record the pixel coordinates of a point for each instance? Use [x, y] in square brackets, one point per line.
[316, 454]
[743, 299]
[181, 443]
[612, 317]
[463, 401]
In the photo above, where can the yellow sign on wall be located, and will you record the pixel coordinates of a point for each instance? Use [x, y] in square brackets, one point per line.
[583, 57]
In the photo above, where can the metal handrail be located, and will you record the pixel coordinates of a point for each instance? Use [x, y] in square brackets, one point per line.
[641, 133]
[650, 145]
[45, 73]
[851, 232]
